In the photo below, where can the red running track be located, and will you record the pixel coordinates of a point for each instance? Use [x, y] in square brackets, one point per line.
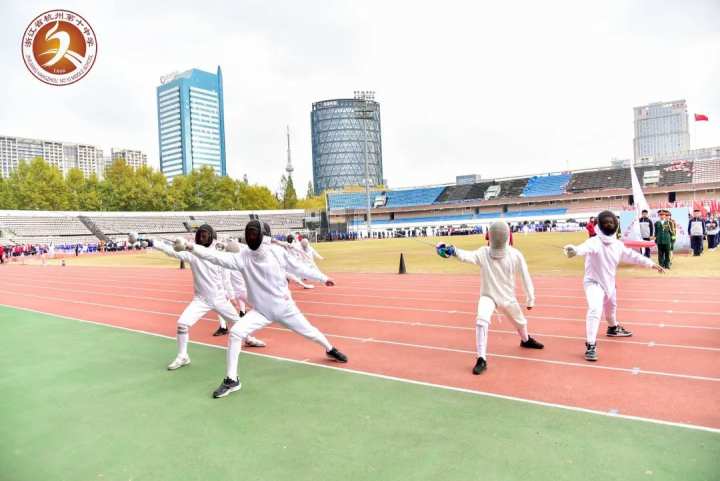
[421, 328]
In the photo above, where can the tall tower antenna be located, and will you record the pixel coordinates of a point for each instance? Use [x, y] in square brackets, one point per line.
[289, 168]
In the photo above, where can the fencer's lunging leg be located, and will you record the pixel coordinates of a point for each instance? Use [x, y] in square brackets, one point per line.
[298, 323]
[251, 322]
[595, 299]
[610, 309]
[481, 335]
[183, 336]
[486, 307]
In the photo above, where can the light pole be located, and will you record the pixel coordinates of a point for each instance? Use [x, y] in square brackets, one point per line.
[366, 114]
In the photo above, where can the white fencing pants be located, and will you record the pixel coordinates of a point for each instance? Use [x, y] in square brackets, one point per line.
[598, 303]
[254, 320]
[196, 310]
[486, 307]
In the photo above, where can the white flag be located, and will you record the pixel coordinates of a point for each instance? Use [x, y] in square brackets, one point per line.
[640, 205]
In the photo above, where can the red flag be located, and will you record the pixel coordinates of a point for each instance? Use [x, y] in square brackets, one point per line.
[701, 118]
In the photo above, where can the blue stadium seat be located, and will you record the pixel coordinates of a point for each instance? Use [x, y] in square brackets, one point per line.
[347, 200]
[395, 198]
[546, 185]
[421, 196]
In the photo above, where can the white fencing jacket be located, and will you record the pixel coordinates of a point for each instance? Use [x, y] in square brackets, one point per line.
[311, 253]
[294, 260]
[602, 256]
[498, 275]
[264, 274]
[209, 281]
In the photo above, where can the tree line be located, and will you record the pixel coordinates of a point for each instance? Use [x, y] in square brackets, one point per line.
[37, 185]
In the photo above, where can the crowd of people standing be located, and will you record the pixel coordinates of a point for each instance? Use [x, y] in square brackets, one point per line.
[663, 232]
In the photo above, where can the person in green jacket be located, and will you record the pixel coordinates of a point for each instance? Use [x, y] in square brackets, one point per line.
[663, 239]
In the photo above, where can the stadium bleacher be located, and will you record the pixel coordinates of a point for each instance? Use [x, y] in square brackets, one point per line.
[421, 196]
[41, 228]
[545, 185]
[681, 172]
[121, 225]
[620, 178]
[347, 200]
[512, 188]
[454, 193]
[459, 193]
[669, 175]
[395, 198]
[23, 227]
[706, 171]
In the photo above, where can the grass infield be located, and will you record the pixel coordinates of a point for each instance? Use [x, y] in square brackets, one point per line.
[89, 402]
[542, 251]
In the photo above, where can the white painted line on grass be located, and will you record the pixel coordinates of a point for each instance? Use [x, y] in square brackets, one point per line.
[402, 380]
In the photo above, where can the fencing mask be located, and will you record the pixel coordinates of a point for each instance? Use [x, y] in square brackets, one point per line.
[499, 236]
[608, 223]
[253, 234]
[205, 235]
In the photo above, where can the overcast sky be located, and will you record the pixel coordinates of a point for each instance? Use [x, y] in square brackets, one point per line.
[493, 88]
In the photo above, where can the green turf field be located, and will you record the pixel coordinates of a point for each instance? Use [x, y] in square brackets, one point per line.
[88, 402]
[542, 251]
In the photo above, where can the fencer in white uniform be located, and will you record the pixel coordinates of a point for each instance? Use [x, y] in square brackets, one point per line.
[499, 264]
[210, 293]
[268, 292]
[310, 251]
[293, 248]
[602, 255]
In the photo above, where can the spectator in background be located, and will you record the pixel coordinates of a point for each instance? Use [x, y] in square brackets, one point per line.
[713, 232]
[663, 239]
[2, 254]
[673, 234]
[697, 232]
[590, 226]
[647, 230]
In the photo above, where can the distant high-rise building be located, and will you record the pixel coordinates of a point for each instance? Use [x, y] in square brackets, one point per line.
[133, 158]
[342, 131]
[63, 155]
[661, 128]
[191, 125]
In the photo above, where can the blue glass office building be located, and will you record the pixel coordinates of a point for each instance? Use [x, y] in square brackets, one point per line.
[339, 130]
[191, 124]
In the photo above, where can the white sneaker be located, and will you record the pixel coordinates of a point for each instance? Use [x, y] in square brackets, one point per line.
[179, 362]
[254, 342]
[307, 286]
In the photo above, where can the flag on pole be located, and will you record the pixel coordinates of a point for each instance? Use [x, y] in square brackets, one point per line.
[701, 118]
[640, 205]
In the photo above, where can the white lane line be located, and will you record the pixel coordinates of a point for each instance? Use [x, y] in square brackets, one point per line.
[410, 323]
[187, 282]
[300, 299]
[473, 313]
[402, 380]
[405, 344]
[574, 306]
